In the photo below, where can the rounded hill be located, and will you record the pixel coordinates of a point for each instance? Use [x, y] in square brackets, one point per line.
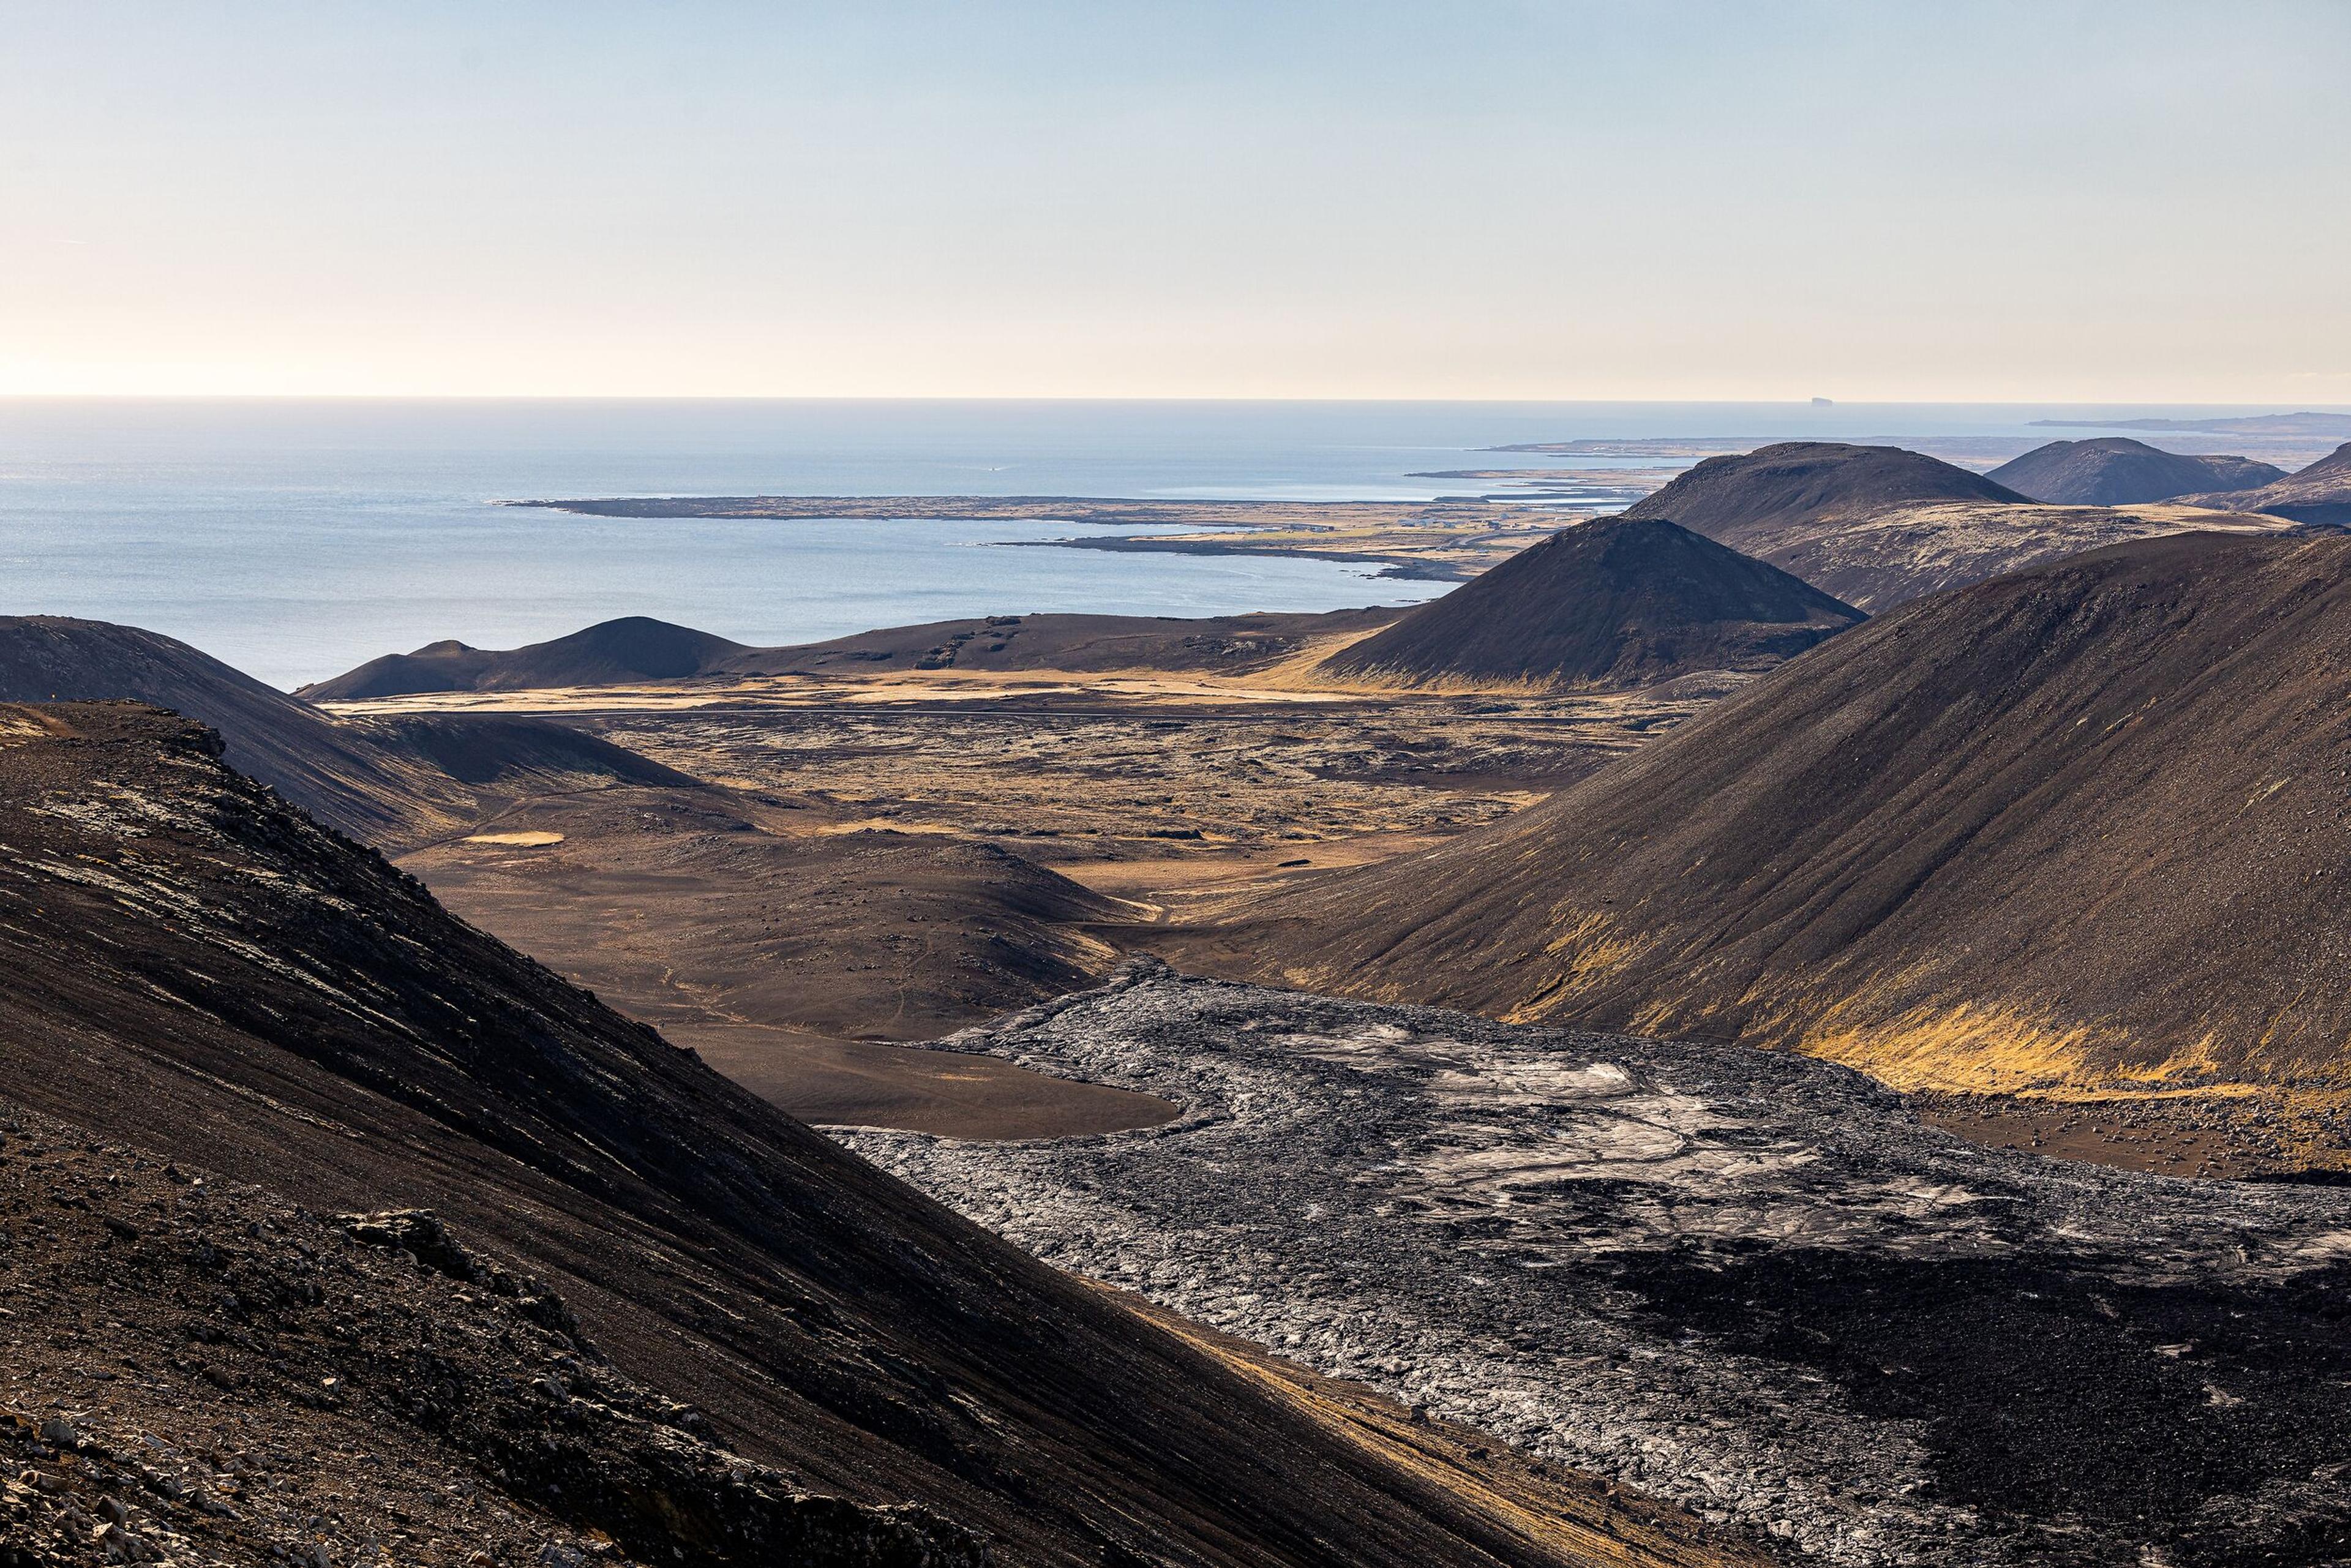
[1877, 526]
[1749, 501]
[1620, 601]
[2116, 471]
[632, 648]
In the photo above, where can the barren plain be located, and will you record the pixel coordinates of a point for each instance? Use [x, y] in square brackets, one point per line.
[879, 860]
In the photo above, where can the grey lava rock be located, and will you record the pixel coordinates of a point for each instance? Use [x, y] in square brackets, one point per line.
[1752, 1284]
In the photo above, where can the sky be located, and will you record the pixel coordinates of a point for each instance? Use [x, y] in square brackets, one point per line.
[1898, 200]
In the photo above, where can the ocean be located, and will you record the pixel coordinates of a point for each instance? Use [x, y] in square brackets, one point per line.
[294, 538]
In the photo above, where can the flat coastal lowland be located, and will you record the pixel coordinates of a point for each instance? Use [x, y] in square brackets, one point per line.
[1446, 539]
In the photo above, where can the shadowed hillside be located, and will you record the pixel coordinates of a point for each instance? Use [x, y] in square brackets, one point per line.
[2116, 471]
[708, 1317]
[391, 784]
[349, 774]
[2083, 825]
[1620, 601]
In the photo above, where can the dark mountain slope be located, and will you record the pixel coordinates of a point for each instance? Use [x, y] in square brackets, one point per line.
[2116, 471]
[1620, 601]
[390, 784]
[2083, 825]
[188, 967]
[350, 775]
[356, 1381]
[1876, 525]
[2318, 494]
[633, 648]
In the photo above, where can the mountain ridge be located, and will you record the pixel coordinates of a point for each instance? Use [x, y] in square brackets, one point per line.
[629, 648]
[391, 784]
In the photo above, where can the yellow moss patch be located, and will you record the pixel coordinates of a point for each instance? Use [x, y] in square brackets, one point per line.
[1595, 947]
[1989, 1048]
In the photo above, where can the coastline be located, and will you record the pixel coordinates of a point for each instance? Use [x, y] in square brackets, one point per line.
[1449, 539]
[1398, 567]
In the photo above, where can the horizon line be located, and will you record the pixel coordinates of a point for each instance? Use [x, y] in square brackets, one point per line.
[255, 397]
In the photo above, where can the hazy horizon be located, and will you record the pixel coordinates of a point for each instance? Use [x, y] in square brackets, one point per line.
[1505, 200]
[2119, 406]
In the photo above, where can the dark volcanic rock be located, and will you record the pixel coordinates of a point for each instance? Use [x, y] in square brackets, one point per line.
[2115, 471]
[196, 974]
[1620, 601]
[1751, 1283]
[269, 1383]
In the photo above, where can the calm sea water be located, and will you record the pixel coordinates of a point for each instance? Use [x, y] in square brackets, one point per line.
[296, 538]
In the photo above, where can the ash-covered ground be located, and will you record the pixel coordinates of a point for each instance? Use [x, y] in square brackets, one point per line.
[1753, 1284]
[198, 1371]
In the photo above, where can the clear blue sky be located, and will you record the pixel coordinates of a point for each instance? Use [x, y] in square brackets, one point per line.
[1904, 199]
